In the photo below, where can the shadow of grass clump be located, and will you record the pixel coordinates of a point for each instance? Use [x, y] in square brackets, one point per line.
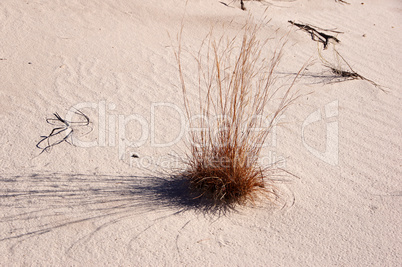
[174, 193]
[237, 108]
[45, 202]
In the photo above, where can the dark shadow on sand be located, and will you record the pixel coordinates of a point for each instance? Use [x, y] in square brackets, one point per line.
[50, 201]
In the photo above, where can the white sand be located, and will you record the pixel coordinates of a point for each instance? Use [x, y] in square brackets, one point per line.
[87, 206]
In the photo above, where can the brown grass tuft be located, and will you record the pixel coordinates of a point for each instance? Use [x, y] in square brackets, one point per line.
[238, 103]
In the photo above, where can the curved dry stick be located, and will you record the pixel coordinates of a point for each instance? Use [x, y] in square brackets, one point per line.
[64, 125]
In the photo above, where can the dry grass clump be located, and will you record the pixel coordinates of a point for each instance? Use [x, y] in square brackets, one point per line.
[238, 103]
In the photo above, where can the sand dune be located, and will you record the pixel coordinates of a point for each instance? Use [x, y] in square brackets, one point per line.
[94, 204]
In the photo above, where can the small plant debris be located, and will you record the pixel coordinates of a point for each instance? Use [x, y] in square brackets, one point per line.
[316, 35]
[63, 130]
[223, 3]
[341, 75]
[242, 5]
[342, 2]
